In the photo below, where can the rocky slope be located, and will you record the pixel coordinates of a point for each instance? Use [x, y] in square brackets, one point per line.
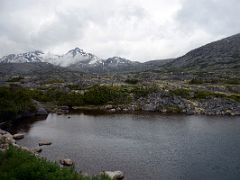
[220, 55]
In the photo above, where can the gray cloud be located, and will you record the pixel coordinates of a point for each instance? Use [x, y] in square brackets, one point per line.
[136, 29]
[218, 17]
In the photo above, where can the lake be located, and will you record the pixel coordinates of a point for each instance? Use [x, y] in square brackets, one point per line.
[143, 146]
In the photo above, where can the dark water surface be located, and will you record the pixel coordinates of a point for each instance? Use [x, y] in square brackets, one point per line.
[145, 147]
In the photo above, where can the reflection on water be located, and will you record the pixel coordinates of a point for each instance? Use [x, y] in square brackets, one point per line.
[144, 146]
[22, 125]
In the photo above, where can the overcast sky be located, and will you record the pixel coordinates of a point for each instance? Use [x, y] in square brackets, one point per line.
[135, 29]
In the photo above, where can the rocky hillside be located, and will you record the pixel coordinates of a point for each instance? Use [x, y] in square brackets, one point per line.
[220, 55]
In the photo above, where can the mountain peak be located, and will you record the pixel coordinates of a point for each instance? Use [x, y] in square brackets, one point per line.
[76, 51]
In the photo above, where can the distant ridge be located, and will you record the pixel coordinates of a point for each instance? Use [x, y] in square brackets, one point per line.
[219, 55]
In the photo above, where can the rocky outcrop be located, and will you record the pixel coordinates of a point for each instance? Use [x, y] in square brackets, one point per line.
[165, 102]
[219, 106]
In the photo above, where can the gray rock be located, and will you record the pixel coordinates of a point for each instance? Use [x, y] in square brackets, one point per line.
[41, 112]
[8, 138]
[44, 143]
[64, 108]
[112, 110]
[66, 162]
[108, 107]
[37, 150]
[113, 175]
[18, 136]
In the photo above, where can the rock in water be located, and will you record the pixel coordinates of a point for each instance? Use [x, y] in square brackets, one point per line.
[114, 175]
[18, 136]
[66, 162]
[44, 143]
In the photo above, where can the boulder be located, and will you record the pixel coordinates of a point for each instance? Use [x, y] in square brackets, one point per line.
[41, 112]
[37, 150]
[26, 149]
[112, 110]
[114, 175]
[44, 143]
[66, 162]
[118, 109]
[8, 138]
[108, 107]
[18, 136]
[2, 132]
[64, 108]
[16, 146]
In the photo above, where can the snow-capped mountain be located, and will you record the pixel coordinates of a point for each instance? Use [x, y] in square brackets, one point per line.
[73, 56]
[34, 56]
[74, 59]
[116, 61]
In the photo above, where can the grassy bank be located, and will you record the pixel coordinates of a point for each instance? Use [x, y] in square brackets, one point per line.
[16, 164]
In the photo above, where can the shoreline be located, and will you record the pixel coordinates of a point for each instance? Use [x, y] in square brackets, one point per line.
[132, 109]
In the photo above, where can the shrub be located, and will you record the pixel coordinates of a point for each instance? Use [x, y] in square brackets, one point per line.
[143, 91]
[99, 95]
[185, 93]
[132, 81]
[196, 81]
[14, 101]
[15, 79]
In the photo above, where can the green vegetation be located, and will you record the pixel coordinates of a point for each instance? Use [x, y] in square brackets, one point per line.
[233, 81]
[57, 97]
[132, 81]
[14, 101]
[53, 81]
[95, 95]
[143, 91]
[74, 87]
[185, 93]
[15, 79]
[16, 164]
[99, 95]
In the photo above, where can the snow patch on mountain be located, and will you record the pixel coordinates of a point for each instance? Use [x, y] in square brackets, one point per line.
[34, 56]
[73, 57]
